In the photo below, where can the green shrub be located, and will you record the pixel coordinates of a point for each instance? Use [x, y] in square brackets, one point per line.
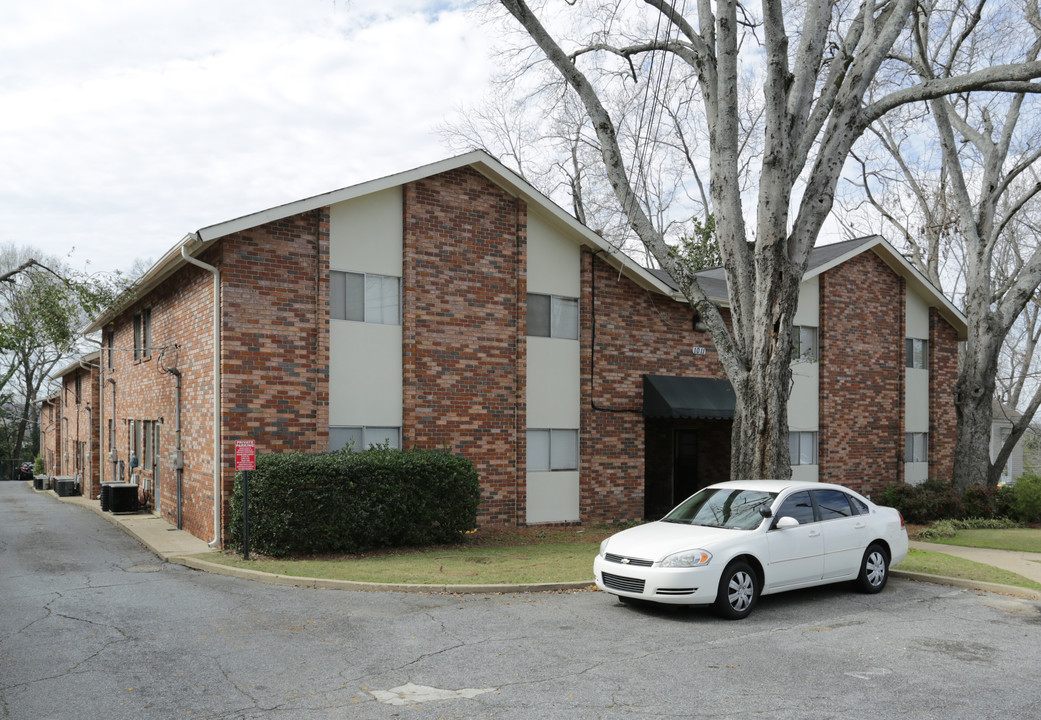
[922, 504]
[350, 502]
[38, 467]
[1004, 502]
[1026, 498]
[950, 528]
[980, 502]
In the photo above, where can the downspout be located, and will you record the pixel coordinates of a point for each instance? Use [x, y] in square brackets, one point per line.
[112, 456]
[178, 451]
[217, 500]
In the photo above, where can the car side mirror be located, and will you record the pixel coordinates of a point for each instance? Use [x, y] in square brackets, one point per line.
[766, 512]
[786, 522]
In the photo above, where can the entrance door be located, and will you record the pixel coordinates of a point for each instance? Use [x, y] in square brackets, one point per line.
[684, 465]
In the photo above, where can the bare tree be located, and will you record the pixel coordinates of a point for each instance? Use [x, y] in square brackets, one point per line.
[43, 304]
[815, 67]
[963, 209]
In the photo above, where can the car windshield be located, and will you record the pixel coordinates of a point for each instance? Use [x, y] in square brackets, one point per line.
[722, 507]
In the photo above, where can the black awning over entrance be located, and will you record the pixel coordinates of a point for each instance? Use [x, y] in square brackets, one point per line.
[665, 396]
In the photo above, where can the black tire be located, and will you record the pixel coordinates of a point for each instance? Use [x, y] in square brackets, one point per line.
[874, 569]
[738, 591]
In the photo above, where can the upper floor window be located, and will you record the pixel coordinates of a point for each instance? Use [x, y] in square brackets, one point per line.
[79, 388]
[804, 343]
[143, 334]
[916, 447]
[364, 297]
[802, 446]
[552, 316]
[917, 353]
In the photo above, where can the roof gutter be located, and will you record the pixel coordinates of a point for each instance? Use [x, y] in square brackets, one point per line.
[193, 240]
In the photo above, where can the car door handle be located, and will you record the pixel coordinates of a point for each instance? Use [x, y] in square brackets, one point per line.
[860, 525]
[814, 533]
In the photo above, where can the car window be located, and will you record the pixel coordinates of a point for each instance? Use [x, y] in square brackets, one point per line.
[722, 507]
[833, 504]
[859, 506]
[797, 506]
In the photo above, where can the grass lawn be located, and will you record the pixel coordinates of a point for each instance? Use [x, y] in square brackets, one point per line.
[1022, 539]
[526, 555]
[949, 566]
[544, 562]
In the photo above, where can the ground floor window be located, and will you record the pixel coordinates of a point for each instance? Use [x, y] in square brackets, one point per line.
[802, 446]
[550, 450]
[362, 437]
[916, 447]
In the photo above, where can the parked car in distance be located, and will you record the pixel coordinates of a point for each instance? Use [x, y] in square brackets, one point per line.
[25, 471]
[729, 543]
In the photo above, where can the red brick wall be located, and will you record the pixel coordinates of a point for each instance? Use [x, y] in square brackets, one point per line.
[463, 330]
[50, 431]
[861, 374]
[79, 424]
[181, 309]
[275, 339]
[637, 332]
[274, 369]
[943, 374]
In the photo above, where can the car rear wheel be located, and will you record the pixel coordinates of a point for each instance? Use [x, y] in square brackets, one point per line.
[874, 570]
[738, 591]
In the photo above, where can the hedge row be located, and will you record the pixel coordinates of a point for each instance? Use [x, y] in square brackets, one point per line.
[937, 500]
[350, 502]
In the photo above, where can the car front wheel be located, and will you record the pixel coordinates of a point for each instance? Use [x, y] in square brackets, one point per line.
[738, 591]
[874, 570]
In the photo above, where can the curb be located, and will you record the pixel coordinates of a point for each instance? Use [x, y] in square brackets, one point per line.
[192, 561]
[353, 585]
[1010, 590]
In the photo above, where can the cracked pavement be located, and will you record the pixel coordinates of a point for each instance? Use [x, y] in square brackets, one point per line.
[94, 626]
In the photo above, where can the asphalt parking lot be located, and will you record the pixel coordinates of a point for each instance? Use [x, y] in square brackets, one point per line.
[94, 625]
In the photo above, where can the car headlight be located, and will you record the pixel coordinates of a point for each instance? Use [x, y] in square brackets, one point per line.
[687, 558]
[603, 547]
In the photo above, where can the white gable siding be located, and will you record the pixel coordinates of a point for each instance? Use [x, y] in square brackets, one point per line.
[365, 371]
[916, 387]
[804, 401]
[553, 372]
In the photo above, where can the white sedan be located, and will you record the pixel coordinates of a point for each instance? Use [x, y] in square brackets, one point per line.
[730, 543]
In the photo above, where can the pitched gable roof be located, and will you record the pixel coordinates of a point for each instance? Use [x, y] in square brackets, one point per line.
[825, 257]
[480, 161]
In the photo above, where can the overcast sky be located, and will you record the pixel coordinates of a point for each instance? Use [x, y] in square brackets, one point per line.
[125, 124]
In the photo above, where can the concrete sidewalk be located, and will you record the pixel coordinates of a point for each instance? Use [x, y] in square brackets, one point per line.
[181, 547]
[1022, 563]
[150, 530]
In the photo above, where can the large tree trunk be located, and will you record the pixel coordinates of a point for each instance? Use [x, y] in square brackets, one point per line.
[759, 441]
[973, 395]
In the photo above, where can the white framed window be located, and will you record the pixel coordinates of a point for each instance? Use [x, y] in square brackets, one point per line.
[550, 450]
[552, 316]
[802, 446]
[365, 297]
[917, 353]
[362, 437]
[804, 343]
[916, 447]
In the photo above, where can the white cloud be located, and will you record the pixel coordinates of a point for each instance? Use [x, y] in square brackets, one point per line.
[128, 124]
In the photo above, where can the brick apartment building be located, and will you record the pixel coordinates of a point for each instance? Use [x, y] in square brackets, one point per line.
[68, 425]
[453, 306]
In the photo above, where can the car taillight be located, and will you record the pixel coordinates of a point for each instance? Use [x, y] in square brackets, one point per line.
[901, 518]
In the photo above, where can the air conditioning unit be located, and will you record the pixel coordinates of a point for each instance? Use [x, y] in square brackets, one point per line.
[124, 498]
[65, 487]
